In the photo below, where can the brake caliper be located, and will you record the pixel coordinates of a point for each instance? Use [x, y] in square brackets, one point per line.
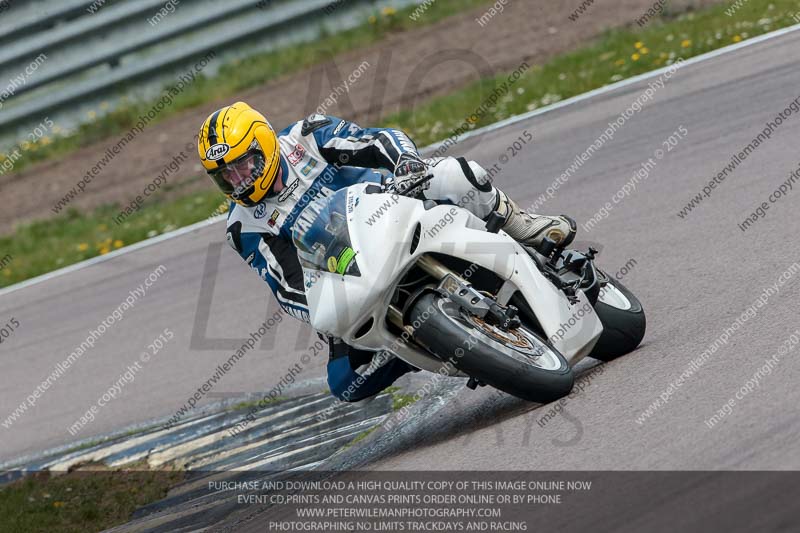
[478, 304]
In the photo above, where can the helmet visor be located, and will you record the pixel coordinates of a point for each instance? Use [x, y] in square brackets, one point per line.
[236, 177]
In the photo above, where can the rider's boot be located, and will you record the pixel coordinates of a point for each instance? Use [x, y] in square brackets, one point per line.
[530, 229]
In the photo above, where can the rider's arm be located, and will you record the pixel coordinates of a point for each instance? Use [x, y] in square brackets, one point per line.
[346, 143]
[275, 260]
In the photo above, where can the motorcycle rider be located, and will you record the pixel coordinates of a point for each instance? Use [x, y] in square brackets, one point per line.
[271, 178]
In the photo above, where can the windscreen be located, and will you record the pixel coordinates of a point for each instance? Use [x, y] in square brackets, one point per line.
[322, 238]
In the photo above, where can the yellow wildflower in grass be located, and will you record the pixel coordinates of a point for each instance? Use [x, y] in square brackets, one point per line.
[389, 11]
[619, 62]
[638, 45]
[82, 247]
[635, 57]
[58, 504]
[104, 250]
[644, 51]
[104, 244]
[686, 43]
[737, 38]
[372, 19]
[118, 244]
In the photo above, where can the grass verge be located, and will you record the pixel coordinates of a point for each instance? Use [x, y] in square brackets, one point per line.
[93, 498]
[47, 245]
[619, 54]
[238, 75]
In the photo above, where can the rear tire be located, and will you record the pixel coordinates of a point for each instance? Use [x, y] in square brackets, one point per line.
[623, 319]
[466, 341]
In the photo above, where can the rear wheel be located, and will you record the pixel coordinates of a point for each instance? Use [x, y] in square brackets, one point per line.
[517, 361]
[623, 321]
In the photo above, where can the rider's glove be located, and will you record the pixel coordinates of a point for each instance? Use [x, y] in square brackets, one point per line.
[410, 168]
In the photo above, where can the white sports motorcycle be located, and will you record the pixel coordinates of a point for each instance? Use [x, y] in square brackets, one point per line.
[447, 292]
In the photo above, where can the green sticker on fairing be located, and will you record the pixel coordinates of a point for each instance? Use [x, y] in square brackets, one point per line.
[345, 258]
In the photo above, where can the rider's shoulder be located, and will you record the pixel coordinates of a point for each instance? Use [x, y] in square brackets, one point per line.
[296, 131]
[314, 122]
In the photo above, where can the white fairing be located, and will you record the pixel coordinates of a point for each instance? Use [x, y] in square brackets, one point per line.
[341, 305]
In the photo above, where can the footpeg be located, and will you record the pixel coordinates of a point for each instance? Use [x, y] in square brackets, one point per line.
[494, 222]
[546, 247]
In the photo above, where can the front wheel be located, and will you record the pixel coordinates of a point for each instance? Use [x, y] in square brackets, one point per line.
[516, 361]
[623, 320]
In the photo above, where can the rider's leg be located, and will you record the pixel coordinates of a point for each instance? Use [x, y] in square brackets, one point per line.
[351, 386]
[467, 184]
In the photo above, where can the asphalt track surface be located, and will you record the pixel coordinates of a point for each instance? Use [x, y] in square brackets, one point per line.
[695, 276]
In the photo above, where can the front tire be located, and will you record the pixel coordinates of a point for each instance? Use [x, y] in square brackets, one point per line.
[623, 321]
[507, 361]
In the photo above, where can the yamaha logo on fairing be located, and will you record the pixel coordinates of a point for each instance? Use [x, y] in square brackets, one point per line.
[217, 151]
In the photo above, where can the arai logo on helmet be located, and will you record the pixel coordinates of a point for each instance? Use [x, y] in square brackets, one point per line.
[217, 151]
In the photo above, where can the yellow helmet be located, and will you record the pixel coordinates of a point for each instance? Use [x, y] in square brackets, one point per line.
[239, 150]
